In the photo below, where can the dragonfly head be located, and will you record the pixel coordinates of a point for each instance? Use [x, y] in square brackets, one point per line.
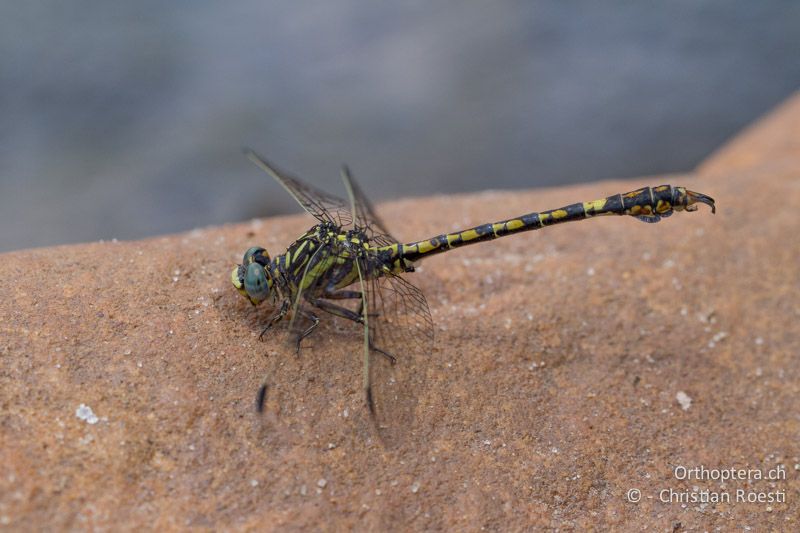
[252, 278]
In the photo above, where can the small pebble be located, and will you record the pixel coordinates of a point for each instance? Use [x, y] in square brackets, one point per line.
[85, 413]
[684, 400]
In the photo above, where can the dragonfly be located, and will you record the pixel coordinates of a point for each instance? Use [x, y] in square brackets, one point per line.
[348, 265]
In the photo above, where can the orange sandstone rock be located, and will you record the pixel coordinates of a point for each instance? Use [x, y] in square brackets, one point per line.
[571, 366]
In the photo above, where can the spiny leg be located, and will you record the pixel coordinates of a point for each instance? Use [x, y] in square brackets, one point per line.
[357, 316]
[342, 295]
[337, 310]
[345, 294]
[343, 312]
[275, 318]
[392, 359]
[314, 323]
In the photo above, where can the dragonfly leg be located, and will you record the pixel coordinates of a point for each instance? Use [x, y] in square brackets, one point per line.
[342, 295]
[347, 294]
[314, 323]
[343, 312]
[276, 317]
[392, 359]
[337, 310]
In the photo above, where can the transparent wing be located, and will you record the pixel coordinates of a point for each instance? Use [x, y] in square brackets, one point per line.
[398, 329]
[400, 332]
[365, 217]
[321, 205]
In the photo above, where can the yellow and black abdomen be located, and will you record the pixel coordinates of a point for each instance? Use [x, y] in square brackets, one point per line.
[648, 204]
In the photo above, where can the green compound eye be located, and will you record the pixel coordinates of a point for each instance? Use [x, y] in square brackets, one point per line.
[256, 254]
[256, 283]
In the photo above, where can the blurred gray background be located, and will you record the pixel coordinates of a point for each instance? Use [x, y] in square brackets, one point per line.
[127, 119]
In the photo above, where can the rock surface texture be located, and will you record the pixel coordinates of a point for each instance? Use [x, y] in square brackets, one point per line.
[571, 365]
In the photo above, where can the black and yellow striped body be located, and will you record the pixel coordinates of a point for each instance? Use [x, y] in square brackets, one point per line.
[648, 204]
[323, 260]
[301, 268]
[349, 265]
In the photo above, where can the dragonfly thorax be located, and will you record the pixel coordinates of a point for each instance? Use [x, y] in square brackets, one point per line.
[355, 240]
